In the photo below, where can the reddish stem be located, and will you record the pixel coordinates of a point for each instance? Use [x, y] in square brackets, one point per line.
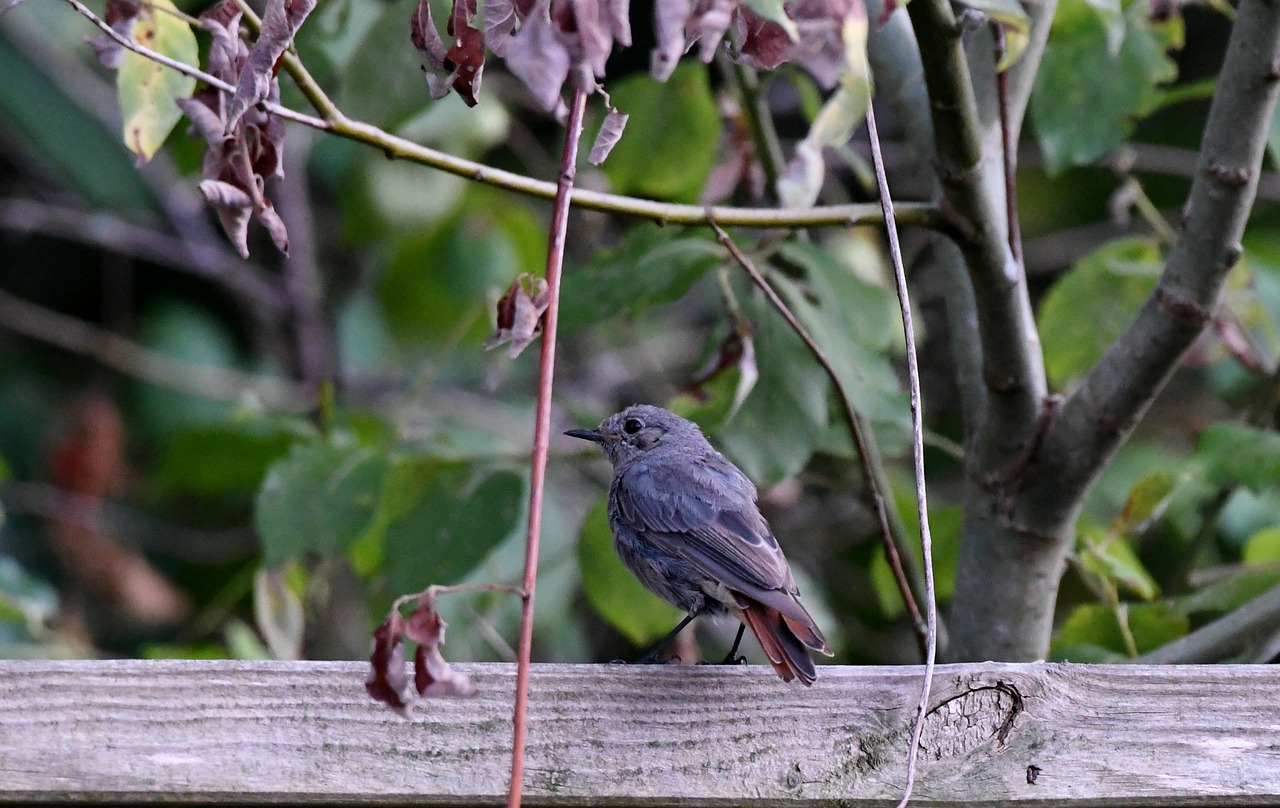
[541, 438]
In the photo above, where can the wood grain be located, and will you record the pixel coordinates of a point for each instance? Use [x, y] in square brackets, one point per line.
[255, 733]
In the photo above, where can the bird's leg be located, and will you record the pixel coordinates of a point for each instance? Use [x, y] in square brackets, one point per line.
[652, 656]
[733, 658]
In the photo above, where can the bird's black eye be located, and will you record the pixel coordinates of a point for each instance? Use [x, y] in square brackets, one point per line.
[632, 425]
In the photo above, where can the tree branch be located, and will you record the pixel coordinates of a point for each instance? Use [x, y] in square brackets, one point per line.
[916, 213]
[109, 232]
[1097, 418]
[1012, 367]
[1252, 623]
[126, 356]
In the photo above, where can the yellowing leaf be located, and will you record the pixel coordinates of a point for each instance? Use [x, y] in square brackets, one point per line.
[148, 90]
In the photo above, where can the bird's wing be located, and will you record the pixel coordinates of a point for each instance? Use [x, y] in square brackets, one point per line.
[703, 509]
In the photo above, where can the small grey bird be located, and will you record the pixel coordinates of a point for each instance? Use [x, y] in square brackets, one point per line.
[686, 523]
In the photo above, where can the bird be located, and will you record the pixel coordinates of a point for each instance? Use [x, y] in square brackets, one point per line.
[685, 522]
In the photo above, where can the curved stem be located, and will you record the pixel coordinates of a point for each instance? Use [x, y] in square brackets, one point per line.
[868, 454]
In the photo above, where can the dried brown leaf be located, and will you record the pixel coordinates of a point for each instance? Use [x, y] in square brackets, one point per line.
[669, 17]
[433, 676]
[537, 57]
[458, 67]
[426, 37]
[500, 18]
[280, 23]
[610, 132]
[120, 15]
[520, 314]
[388, 681]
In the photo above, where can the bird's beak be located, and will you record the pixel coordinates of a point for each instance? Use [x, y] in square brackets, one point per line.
[586, 434]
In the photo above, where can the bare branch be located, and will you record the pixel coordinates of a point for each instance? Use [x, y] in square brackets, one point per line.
[1097, 418]
[126, 356]
[109, 232]
[1012, 367]
[1252, 623]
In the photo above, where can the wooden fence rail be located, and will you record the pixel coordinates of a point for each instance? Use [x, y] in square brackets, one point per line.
[299, 733]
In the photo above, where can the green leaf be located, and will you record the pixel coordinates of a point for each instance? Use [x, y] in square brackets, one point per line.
[224, 459]
[1227, 594]
[672, 136]
[1147, 499]
[443, 519]
[380, 79]
[717, 399]
[944, 524]
[649, 268]
[854, 323]
[148, 90]
[1263, 547]
[1112, 558]
[191, 334]
[1085, 312]
[438, 282]
[1088, 92]
[1094, 625]
[613, 591]
[784, 418]
[318, 498]
[1241, 454]
[51, 134]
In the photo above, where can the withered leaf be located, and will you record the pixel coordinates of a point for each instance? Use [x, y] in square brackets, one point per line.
[241, 155]
[520, 314]
[388, 680]
[280, 22]
[459, 67]
[669, 18]
[425, 37]
[500, 20]
[433, 676]
[610, 132]
[120, 15]
[538, 57]
[763, 43]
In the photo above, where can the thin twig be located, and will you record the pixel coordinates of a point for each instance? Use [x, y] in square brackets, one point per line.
[541, 436]
[115, 234]
[857, 429]
[919, 213]
[429, 594]
[917, 451]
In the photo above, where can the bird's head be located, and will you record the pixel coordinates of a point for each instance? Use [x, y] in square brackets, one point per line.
[639, 429]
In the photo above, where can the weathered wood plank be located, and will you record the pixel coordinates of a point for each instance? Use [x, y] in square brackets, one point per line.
[244, 732]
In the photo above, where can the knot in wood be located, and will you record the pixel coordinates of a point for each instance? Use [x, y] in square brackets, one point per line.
[970, 720]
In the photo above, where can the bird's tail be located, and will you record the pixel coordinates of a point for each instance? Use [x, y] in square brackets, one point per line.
[783, 639]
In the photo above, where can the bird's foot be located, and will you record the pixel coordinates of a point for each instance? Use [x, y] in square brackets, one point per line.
[732, 659]
[654, 659]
